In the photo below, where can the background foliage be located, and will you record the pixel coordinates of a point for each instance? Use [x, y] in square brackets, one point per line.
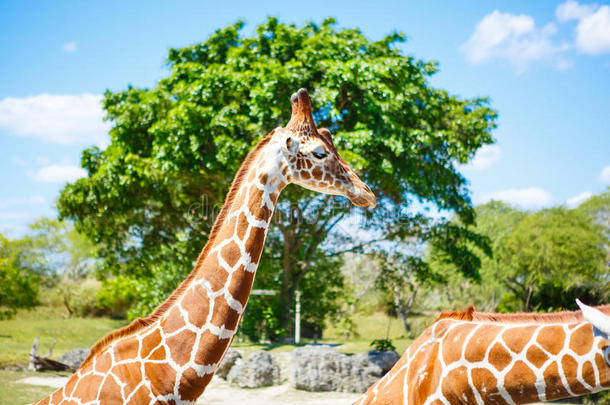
[149, 197]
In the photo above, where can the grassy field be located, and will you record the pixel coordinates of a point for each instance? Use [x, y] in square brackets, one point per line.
[13, 393]
[17, 336]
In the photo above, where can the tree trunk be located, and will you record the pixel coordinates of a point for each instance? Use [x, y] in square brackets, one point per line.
[528, 298]
[403, 309]
[67, 304]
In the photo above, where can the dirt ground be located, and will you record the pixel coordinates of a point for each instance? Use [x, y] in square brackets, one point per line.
[219, 392]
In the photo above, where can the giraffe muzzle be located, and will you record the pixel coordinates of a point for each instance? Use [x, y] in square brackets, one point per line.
[362, 196]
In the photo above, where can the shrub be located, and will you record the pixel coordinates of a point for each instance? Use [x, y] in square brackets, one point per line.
[117, 295]
[18, 281]
[383, 345]
[78, 297]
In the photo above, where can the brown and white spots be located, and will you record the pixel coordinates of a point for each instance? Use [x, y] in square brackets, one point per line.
[588, 373]
[554, 382]
[551, 339]
[520, 383]
[192, 384]
[456, 388]
[516, 338]
[481, 360]
[455, 338]
[536, 356]
[477, 346]
[485, 383]
[499, 357]
[180, 345]
[581, 339]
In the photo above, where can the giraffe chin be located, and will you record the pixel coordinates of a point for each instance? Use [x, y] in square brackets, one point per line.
[360, 194]
[363, 200]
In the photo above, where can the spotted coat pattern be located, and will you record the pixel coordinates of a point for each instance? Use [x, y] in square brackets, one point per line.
[497, 360]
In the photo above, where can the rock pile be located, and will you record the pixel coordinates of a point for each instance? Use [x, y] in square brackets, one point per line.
[309, 368]
[258, 370]
[228, 361]
[322, 368]
[74, 358]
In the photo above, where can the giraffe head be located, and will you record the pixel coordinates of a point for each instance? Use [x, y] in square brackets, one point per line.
[312, 160]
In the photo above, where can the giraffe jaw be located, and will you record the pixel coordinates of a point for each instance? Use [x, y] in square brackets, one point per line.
[362, 196]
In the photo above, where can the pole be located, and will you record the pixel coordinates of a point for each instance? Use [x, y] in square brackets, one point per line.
[297, 318]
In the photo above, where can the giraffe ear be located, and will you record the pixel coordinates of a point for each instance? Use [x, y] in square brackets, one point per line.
[292, 145]
[599, 320]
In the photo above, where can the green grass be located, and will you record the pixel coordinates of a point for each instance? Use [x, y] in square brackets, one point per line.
[368, 328]
[17, 334]
[13, 393]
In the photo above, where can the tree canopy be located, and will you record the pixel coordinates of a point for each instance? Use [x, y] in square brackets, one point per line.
[149, 197]
[541, 260]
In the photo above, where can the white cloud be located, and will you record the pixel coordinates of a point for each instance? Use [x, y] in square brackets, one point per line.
[58, 174]
[593, 32]
[70, 46]
[485, 157]
[571, 10]
[516, 39]
[531, 197]
[593, 29]
[579, 199]
[605, 174]
[65, 119]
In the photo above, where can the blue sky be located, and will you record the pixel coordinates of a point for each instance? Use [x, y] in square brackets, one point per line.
[544, 65]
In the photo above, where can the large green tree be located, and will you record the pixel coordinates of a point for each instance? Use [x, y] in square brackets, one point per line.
[148, 197]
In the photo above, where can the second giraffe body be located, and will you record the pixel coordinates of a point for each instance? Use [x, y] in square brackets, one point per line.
[477, 358]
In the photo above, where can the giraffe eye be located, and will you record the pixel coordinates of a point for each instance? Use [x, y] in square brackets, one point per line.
[319, 154]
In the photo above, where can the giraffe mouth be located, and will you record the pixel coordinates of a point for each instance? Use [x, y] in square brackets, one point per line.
[362, 196]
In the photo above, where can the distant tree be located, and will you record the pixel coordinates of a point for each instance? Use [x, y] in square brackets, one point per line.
[174, 149]
[402, 276]
[404, 268]
[18, 279]
[67, 256]
[598, 208]
[552, 249]
[541, 261]
[65, 252]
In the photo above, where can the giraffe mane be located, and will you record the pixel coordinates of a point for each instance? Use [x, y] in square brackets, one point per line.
[458, 315]
[140, 323]
[520, 317]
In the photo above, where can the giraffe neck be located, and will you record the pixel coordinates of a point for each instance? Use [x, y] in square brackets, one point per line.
[199, 326]
[472, 362]
[171, 356]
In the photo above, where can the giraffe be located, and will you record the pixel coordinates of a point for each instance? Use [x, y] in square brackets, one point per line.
[479, 358]
[170, 356]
